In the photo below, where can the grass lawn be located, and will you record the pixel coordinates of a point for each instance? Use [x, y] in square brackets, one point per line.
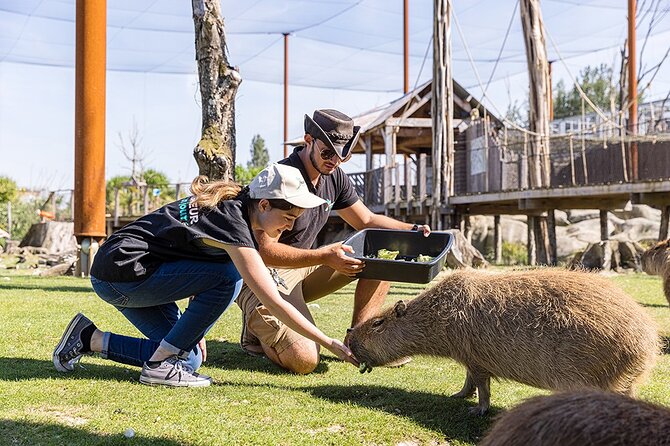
[253, 401]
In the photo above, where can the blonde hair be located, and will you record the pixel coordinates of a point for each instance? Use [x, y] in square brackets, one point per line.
[208, 194]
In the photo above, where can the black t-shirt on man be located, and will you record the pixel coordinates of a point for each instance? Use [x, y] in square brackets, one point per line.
[173, 232]
[336, 189]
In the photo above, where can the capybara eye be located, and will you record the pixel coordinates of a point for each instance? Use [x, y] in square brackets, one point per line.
[378, 322]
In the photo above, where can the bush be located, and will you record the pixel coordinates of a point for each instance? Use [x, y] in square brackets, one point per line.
[24, 214]
[514, 254]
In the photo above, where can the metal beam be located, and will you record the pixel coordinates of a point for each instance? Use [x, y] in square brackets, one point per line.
[89, 144]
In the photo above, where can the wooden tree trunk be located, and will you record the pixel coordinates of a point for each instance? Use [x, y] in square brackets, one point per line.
[442, 110]
[540, 93]
[539, 100]
[215, 152]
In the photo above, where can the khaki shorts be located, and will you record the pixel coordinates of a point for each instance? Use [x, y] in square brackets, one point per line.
[302, 285]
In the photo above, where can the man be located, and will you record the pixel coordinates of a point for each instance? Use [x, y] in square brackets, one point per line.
[303, 274]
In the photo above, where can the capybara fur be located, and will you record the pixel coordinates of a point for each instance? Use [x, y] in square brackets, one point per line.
[656, 262]
[548, 328]
[582, 418]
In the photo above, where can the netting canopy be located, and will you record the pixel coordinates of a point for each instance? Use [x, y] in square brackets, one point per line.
[340, 44]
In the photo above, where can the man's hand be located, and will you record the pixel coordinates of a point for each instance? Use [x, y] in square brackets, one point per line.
[425, 229]
[335, 256]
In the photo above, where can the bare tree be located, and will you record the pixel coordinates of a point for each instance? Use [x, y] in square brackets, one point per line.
[215, 152]
[132, 151]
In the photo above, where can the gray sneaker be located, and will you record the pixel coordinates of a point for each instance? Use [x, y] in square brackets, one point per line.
[68, 351]
[173, 372]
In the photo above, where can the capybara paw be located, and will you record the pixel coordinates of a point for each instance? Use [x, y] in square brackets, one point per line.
[463, 394]
[478, 411]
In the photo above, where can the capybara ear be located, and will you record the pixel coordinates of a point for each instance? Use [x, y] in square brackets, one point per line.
[400, 308]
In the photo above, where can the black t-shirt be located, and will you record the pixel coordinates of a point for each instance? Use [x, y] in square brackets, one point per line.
[173, 232]
[336, 189]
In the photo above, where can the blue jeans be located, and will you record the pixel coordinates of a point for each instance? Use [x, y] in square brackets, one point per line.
[150, 306]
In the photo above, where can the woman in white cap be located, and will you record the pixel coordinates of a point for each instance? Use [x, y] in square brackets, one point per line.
[201, 246]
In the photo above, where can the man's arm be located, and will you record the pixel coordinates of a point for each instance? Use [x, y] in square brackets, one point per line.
[360, 217]
[281, 255]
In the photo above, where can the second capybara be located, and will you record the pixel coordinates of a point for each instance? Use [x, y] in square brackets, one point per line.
[548, 328]
[656, 262]
[582, 418]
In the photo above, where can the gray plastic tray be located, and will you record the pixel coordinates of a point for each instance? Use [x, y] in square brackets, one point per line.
[410, 244]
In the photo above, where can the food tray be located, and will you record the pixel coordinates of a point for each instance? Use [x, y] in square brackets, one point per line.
[410, 244]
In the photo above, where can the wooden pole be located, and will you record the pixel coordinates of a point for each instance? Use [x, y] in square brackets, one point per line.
[551, 228]
[497, 239]
[532, 246]
[285, 94]
[9, 219]
[89, 146]
[539, 97]
[632, 87]
[604, 238]
[116, 207]
[405, 33]
[442, 110]
[551, 93]
[665, 218]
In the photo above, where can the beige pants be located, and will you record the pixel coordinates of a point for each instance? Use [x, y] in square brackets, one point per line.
[302, 285]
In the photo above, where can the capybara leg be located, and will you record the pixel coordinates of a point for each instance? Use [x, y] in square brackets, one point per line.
[468, 389]
[483, 383]
[666, 286]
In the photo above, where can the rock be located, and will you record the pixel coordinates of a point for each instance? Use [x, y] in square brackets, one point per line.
[62, 269]
[561, 218]
[644, 211]
[610, 254]
[639, 229]
[53, 236]
[566, 243]
[577, 215]
[462, 254]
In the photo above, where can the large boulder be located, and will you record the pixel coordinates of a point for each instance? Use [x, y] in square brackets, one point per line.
[462, 254]
[610, 254]
[54, 237]
[639, 229]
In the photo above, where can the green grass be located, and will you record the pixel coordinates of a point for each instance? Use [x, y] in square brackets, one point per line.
[253, 402]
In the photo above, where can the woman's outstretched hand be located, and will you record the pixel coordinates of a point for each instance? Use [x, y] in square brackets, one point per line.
[342, 351]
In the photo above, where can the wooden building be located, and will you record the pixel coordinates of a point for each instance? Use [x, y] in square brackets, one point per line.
[397, 143]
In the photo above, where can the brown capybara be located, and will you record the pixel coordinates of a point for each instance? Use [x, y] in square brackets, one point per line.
[582, 418]
[656, 262]
[549, 328]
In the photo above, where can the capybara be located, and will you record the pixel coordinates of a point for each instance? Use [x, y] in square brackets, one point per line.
[656, 262]
[582, 418]
[549, 328]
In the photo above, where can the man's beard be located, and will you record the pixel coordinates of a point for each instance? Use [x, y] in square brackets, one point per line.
[315, 164]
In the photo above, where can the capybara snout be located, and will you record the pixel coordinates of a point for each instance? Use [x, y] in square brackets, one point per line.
[548, 328]
[388, 324]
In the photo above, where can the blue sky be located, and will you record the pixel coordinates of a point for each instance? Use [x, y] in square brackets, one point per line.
[353, 45]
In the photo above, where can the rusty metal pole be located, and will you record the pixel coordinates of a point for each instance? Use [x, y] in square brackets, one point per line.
[405, 87]
[89, 146]
[285, 94]
[632, 88]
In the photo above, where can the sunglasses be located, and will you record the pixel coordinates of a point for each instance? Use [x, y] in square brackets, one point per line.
[328, 153]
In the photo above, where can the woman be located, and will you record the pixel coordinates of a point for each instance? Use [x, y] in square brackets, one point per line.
[201, 246]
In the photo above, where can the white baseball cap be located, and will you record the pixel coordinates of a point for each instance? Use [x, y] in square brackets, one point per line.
[282, 182]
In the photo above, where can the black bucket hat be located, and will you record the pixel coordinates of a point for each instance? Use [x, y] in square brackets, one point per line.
[335, 129]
